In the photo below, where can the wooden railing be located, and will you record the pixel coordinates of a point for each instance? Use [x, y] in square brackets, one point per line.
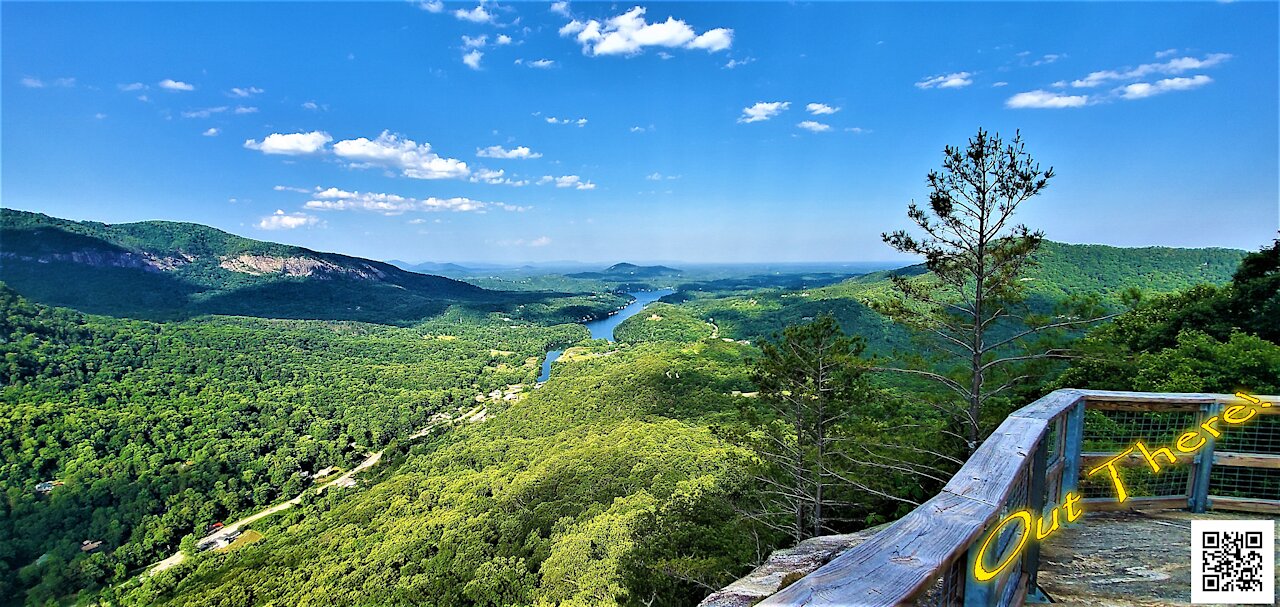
[1032, 461]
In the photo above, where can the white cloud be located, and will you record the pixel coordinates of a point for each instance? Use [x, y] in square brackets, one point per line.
[734, 63]
[541, 63]
[174, 85]
[431, 6]
[857, 130]
[1165, 53]
[947, 81]
[763, 111]
[655, 176]
[313, 106]
[818, 109]
[476, 42]
[1171, 67]
[211, 132]
[334, 199]
[503, 40]
[244, 92]
[497, 151]
[204, 113]
[560, 8]
[629, 34]
[1140, 90]
[132, 86]
[497, 177]
[285, 188]
[813, 126]
[414, 160]
[36, 83]
[287, 221]
[293, 144]
[475, 15]
[540, 241]
[99, 115]
[554, 120]
[1045, 99]
[472, 59]
[999, 84]
[567, 181]
[638, 129]
[240, 109]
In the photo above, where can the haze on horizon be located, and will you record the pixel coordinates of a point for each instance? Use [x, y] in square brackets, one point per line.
[595, 132]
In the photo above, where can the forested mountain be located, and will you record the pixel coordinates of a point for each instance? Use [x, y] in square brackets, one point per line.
[1061, 270]
[627, 271]
[153, 430]
[161, 270]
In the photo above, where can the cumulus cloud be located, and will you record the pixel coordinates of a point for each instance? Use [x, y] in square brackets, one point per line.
[287, 221]
[629, 34]
[1140, 90]
[813, 126]
[244, 92]
[567, 181]
[431, 6]
[132, 86]
[1045, 99]
[560, 8]
[503, 40]
[475, 42]
[472, 59]
[175, 85]
[475, 15]
[541, 63]
[947, 81]
[334, 199]
[818, 109]
[763, 110]
[497, 151]
[1166, 53]
[240, 109]
[735, 63]
[413, 160]
[1170, 67]
[210, 132]
[497, 177]
[292, 144]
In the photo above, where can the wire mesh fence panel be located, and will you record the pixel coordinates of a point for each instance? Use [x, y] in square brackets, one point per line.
[1254, 483]
[1139, 481]
[1115, 431]
[1260, 434]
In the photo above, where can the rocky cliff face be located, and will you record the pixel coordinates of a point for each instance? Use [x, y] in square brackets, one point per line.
[258, 265]
[784, 567]
[108, 259]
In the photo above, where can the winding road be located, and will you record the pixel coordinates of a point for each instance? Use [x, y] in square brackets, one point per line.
[372, 459]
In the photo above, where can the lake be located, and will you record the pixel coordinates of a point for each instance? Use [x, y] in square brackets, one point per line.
[603, 328]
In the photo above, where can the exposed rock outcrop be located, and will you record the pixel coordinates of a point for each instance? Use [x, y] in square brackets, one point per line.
[784, 567]
[258, 265]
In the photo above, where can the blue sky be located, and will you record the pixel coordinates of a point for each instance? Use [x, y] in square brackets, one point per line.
[606, 132]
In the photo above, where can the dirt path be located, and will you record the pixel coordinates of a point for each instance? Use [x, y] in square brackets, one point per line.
[372, 459]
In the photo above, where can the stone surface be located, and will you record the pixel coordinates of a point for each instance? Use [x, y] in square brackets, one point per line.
[1124, 559]
[784, 567]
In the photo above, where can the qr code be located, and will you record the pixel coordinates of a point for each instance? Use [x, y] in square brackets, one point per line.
[1233, 562]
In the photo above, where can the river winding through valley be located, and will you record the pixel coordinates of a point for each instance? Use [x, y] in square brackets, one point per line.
[603, 328]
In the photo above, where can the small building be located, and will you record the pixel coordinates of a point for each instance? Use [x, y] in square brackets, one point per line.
[90, 546]
[47, 486]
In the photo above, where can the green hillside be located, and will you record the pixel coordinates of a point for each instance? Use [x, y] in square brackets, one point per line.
[1062, 270]
[161, 270]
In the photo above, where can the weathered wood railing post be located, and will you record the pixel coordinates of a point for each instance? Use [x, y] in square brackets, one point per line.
[1035, 501]
[1198, 498]
[1072, 447]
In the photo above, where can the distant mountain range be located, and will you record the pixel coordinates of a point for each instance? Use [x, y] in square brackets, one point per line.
[627, 271]
[164, 270]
